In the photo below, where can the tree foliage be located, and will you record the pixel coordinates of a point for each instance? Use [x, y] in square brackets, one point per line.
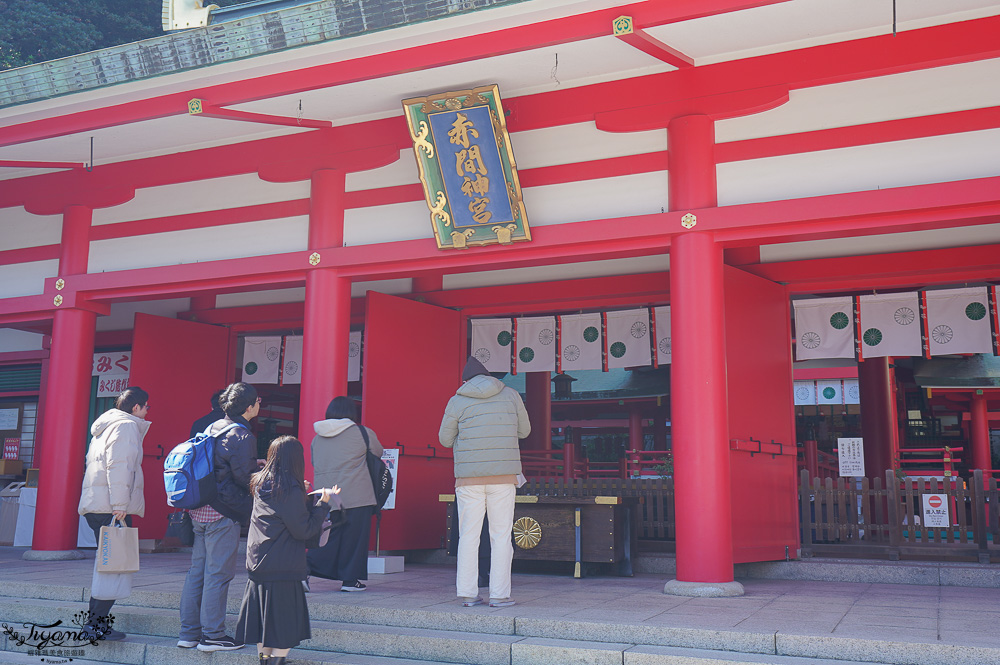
[38, 30]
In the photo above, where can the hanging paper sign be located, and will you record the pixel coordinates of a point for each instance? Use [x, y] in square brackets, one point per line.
[626, 339]
[851, 456]
[291, 361]
[936, 510]
[491, 343]
[535, 337]
[354, 356]
[804, 393]
[661, 326]
[11, 446]
[261, 359]
[823, 328]
[467, 168]
[8, 419]
[829, 392]
[579, 342]
[391, 458]
[852, 391]
[957, 321]
[889, 325]
[112, 371]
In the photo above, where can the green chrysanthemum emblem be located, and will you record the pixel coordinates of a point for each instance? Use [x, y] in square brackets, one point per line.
[503, 339]
[975, 310]
[250, 368]
[526, 355]
[829, 393]
[617, 349]
[872, 337]
[839, 320]
[591, 334]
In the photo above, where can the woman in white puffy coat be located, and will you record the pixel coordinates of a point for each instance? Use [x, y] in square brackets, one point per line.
[112, 483]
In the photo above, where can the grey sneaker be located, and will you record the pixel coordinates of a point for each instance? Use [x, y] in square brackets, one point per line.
[469, 602]
[188, 644]
[501, 602]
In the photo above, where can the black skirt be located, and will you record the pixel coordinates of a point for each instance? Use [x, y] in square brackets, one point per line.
[274, 614]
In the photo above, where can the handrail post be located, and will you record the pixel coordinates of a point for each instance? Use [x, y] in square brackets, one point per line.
[568, 461]
[807, 514]
[895, 528]
[979, 515]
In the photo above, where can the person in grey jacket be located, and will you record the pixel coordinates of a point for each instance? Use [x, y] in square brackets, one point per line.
[338, 459]
[483, 423]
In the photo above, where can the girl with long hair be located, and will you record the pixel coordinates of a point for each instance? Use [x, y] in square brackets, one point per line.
[274, 613]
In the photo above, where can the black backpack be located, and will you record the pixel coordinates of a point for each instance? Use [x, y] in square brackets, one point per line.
[381, 476]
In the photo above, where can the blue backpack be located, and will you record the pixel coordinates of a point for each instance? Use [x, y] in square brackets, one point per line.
[189, 470]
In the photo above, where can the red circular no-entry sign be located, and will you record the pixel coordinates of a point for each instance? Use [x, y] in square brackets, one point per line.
[934, 502]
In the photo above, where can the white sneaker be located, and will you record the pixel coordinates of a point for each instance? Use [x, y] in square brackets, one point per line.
[470, 602]
[187, 644]
[501, 602]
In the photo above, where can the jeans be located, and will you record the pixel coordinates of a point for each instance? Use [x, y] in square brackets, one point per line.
[206, 588]
[101, 608]
[475, 501]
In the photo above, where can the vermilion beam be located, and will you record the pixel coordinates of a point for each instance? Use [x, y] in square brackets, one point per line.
[650, 45]
[466, 49]
[10, 163]
[210, 111]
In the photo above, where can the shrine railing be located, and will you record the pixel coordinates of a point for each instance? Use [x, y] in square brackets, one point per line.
[890, 517]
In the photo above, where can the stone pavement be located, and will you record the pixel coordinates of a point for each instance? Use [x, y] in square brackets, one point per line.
[856, 621]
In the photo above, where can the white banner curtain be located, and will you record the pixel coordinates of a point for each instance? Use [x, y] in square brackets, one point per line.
[958, 321]
[829, 392]
[291, 361]
[579, 342]
[491, 343]
[261, 359]
[890, 325]
[661, 324]
[627, 337]
[804, 393]
[852, 392]
[823, 328]
[536, 344]
[354, 356]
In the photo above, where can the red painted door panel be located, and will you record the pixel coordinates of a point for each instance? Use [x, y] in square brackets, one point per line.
[412, 365]
[180, 364]
[759, 376]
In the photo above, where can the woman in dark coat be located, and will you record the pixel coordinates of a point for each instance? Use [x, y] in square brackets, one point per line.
[274, 614]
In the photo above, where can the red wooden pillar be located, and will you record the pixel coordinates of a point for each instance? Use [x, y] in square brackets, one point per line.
[878, 416]
[812, 458]
[63, 441]
[538, 391]
[635, 438]
[698, 376]
[980, 430]
[327, 319]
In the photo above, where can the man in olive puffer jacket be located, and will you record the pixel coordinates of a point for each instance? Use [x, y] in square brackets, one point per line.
[483, 423]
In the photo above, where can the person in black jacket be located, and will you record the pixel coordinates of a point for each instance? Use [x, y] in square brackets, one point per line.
[198, 426]
[274, 613]
[217, 525]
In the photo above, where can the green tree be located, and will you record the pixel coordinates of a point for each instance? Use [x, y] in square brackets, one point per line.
[43, 30]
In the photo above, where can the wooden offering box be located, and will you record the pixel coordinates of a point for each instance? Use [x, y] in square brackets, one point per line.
[592, 529]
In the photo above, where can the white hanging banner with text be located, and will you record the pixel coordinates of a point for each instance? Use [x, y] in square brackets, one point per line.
[851, 455]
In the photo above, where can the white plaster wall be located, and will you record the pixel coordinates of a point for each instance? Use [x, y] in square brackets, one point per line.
[907, 95]
[22, 229]
[19, 340]
[622, 196]
[273, 236]
[984, 234]
[268, 297]
[26, 279]
[580, 142]
[201, 196]
[898, 164]
[398, 221]
[642, 264]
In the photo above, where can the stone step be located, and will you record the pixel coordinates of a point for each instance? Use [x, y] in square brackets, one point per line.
[487, 637]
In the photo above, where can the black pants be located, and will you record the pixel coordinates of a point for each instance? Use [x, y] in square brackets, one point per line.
[345, 555]
[101, 608]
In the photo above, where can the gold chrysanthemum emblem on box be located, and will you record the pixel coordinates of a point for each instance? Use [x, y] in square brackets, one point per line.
[527, 533]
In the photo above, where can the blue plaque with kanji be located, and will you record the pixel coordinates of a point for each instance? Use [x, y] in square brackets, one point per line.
[467, 168]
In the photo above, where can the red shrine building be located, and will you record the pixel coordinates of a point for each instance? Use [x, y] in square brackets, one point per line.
[719, 233]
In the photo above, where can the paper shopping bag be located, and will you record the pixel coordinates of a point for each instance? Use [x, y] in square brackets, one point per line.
[118, 549]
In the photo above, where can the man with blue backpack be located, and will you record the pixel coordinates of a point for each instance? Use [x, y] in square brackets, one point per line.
[217, 522]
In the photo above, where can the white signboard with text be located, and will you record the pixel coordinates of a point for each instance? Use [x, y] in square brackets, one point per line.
[851, 455]
[112, 369]
[936, 510]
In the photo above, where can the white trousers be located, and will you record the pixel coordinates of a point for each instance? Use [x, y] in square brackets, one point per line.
[497, 503]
